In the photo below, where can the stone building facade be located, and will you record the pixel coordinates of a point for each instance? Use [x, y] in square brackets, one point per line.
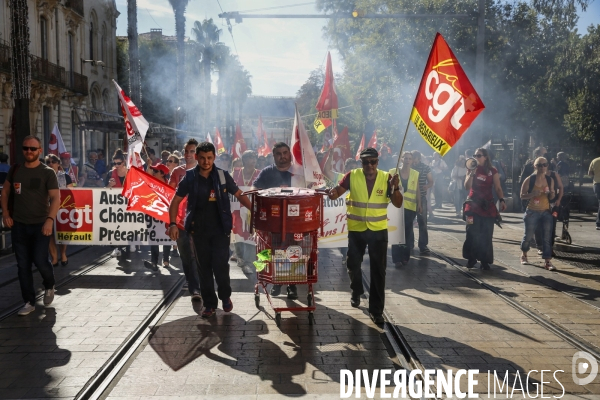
[73, 62]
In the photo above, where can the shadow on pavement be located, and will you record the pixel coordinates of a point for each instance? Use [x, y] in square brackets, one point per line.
[31, 365]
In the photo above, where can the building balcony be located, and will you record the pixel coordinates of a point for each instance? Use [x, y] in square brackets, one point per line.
[75, 5]
[77, 83]
[45, 71]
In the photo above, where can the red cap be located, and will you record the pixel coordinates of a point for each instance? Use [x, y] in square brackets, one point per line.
[160, 167]
[66, 154]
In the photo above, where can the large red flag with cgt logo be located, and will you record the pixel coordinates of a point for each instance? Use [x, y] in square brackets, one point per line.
[147, 194]
[446, 103]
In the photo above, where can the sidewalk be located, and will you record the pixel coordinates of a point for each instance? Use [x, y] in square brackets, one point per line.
[54, 351]
[244, 354]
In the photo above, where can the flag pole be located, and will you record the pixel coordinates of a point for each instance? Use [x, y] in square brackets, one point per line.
[402, 147]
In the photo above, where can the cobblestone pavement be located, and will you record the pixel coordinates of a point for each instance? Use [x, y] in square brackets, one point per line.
[244, 354]
[448, 319]
[54, 351]
[453, 322]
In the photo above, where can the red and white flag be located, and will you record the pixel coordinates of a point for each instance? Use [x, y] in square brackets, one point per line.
[136, 127]
[208, 138]
[361, 147]
[56, 144]
[239, 146]
[147, 194]
[373, 140]
[305, 167]
[219, 145]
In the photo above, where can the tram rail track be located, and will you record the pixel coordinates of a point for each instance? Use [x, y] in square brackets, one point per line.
[16, 278]
[100, 383]
[11, 310]
[551, 326]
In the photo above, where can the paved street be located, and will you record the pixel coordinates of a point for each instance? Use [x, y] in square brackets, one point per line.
[444, 313]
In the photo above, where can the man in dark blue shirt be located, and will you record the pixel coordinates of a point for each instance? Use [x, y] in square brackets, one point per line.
[278, 175]
[208, 220]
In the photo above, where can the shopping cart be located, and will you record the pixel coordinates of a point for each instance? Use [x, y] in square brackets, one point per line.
[286, 222]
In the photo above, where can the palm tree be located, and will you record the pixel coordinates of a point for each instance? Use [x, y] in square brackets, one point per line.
[222, 59]
[207, 37]
[21, 72]
[135, 80]
[243, 89]
[179, 10]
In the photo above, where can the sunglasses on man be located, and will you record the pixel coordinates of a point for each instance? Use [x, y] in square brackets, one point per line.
[117, 162]
[29, 148]
[369, 162]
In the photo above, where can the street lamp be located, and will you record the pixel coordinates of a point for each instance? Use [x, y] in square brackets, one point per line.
[93, 62]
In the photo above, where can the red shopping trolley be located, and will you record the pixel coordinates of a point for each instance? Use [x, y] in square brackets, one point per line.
[287, 223]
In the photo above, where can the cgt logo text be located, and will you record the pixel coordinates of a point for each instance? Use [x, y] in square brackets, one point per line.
[461, 383]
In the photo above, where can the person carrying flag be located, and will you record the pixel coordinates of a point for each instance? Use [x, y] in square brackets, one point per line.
[370, 192]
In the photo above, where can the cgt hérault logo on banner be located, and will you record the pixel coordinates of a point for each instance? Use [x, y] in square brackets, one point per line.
[75, 221]
[100, 217]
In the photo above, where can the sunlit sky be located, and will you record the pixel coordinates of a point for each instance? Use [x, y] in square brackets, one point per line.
[278, 53]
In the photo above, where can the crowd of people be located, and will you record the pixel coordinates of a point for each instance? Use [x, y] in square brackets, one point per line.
[204, 180]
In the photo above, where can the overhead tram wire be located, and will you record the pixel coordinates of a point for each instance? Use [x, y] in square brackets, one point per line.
[302, 116]
[230, 29]
[275, 8]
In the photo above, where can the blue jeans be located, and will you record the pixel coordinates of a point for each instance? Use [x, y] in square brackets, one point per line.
[597, 191]
[188, 261]
[31, 246]
[532, 219]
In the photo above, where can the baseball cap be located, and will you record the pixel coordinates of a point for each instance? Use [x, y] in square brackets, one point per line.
[369, 152]
[160, 167]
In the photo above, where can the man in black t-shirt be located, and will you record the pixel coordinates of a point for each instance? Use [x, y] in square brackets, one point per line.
[35, 202]
[278, 175]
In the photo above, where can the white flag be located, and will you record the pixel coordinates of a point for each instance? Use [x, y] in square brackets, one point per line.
[136, 127]
[305, 167]
[56, 144]
[208, 138]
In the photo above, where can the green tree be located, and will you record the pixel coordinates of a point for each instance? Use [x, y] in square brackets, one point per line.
[179, 7]
[209, 47]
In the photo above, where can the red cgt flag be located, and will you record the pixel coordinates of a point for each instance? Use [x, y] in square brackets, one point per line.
[239, 146]
[446, 103]
[327, 105]
[264, 149]
[361, 147]
[219, 142]
[373, 140]
[147, 194]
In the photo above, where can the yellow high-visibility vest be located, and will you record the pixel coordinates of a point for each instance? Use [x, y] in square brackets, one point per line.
[410, 192]
[364, 212]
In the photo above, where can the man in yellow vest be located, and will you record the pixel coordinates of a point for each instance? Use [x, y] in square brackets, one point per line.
[370, 193]
[409, 180]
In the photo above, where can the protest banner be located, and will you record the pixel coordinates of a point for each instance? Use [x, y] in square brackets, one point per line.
[99, 217]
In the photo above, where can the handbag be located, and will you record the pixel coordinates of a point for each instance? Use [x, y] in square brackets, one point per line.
[452, 186]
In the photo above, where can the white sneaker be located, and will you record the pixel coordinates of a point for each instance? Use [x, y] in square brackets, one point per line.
[49, 296]
[27, 309]
[116, 253]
